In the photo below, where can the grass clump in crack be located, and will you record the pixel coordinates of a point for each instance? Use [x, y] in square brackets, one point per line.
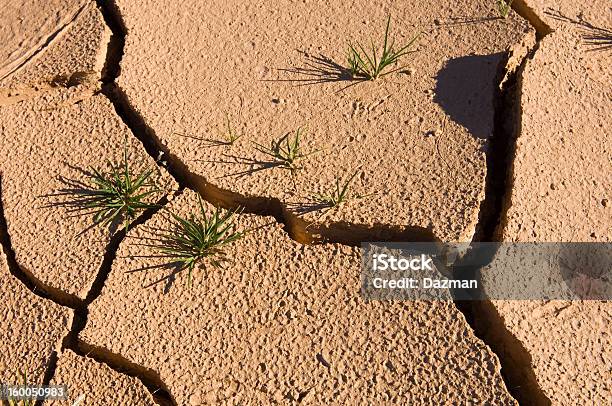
[286, 151]
[191, 240]
[114, 195]
[371, 65]
[117, 193]
[504, 7]
[339, 195]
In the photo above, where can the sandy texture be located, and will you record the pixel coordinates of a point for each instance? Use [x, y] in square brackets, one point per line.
[562, 189]
[57, 41]
[284, 322]
[31, 328]
[101, 385]
[47, 144]
[556, 12]
[26, 26]
[417, 139]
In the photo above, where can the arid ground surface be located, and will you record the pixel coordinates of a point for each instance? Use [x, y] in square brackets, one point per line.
[496, 129]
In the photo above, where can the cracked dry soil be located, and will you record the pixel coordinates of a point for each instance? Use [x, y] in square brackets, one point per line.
[285, 322]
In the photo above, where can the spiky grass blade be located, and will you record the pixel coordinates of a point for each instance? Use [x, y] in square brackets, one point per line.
[371, 67]
[22, 402]
[504, 7]
[115, 194]
[339, 194]
[191, 240]
[230, 135]
[286, 151]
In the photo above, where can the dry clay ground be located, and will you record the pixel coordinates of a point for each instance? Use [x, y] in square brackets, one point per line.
[497, 129]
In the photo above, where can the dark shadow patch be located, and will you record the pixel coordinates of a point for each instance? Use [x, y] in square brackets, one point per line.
[465, 90]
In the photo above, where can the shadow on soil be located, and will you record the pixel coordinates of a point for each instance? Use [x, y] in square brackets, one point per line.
[464, 89]
[454, 21]
[319, 69]
[456, 80]
[517, 369]
[598, 38]
[72, 342]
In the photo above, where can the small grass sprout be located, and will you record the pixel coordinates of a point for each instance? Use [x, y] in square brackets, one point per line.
[191, 240]
[286, 151]
[118, 193]
[230, 135]
[504, 7]
[371, 66]
[338, 195]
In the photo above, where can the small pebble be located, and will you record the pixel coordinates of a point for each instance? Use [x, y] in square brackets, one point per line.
[604, 202]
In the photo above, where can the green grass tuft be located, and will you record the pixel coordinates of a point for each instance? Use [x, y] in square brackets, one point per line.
[372, 66]
[338, 195]
[117, 194]
[191, 240]
[286, 151]
[230, 135]
[504, 7]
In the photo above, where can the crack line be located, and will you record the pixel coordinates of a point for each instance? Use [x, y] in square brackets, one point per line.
[487, 324]
[26, 277]
[48, 41]
[491, 212]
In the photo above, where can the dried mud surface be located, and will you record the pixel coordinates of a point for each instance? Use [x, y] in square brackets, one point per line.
[31, 330]
[493, 124]
[52, 141]
[72, 48]
[561, 183]
[27, 25]
[557, 13]
[97, 384]
[286, 326]
[416, 139]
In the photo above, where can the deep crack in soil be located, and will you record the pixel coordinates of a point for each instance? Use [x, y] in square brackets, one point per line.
[296, 227]
[516, 362]
[27, 278]
[516, 366]
[149, 379]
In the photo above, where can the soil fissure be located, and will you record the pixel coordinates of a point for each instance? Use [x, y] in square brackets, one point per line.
[35, 286]
[515, 361]
[488, 325]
